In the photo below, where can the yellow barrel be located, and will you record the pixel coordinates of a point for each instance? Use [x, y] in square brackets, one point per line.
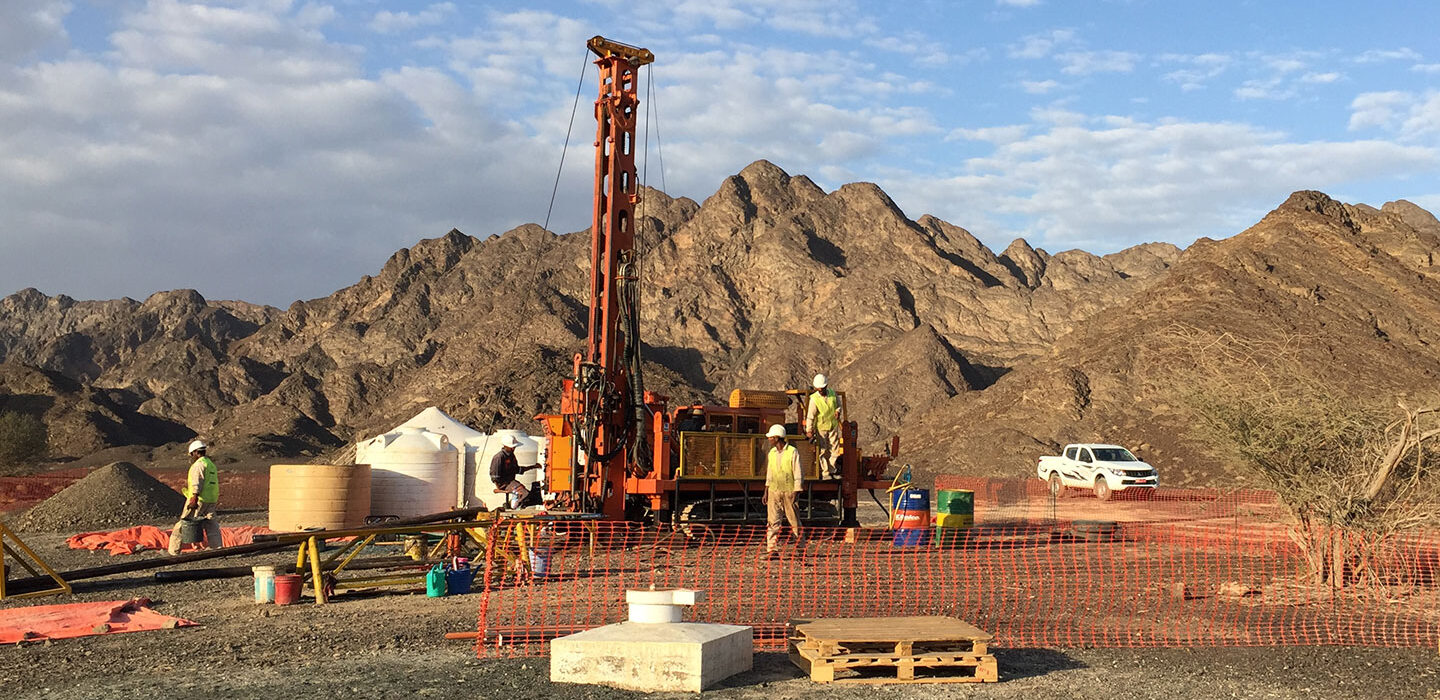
[330, 496]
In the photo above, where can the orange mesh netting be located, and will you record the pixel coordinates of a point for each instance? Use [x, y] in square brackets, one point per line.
[1184, 568]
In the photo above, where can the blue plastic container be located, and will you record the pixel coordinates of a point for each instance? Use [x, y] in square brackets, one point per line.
[458, 581]
[911, 516]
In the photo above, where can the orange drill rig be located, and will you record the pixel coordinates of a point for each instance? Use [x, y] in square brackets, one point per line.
[612, 448]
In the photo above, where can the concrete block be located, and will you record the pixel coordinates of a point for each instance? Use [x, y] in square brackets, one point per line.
[678, 657]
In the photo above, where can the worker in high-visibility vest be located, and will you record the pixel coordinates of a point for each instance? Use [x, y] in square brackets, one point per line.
[783, 481]
[822, 426]
[202, 498]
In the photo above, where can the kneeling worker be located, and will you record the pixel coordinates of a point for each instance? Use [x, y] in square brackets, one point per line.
[202, 497]
[783, 481]
[504, 469]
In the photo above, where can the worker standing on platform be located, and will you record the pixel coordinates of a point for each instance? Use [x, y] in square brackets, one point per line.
[202, 497]
[783, 481]
[504, 469]
[822, 426]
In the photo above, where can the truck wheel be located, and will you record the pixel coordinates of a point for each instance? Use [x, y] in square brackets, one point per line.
[1102, 489]
[1057, 487]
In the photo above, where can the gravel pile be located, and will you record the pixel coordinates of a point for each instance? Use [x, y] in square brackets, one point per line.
[115, 496]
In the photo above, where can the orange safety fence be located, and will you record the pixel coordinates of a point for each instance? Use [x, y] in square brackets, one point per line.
[41, 622]
[1184, 569]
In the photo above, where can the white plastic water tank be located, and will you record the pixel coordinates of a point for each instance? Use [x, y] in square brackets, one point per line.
[482, 450]
[412, 472]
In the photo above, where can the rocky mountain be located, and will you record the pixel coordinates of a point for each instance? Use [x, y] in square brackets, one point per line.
[765, 283]
[1353, 288]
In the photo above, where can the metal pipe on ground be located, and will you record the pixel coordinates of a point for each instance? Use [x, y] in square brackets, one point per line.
[238, 571]
[37, 582]
[416, 520]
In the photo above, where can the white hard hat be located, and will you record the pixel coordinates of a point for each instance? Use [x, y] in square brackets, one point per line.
[197, 445]
[776, 430]
[510, 441]
[819, 382]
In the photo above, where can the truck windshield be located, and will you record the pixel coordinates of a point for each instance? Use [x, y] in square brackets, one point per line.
[1114, 454]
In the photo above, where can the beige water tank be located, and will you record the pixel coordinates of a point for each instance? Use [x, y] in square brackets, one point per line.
[412, 471]
[331, 496]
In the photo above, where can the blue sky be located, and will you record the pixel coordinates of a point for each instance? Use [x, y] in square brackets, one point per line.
[273, 150]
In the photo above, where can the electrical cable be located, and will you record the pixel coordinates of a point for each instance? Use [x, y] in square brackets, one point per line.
[575, 107]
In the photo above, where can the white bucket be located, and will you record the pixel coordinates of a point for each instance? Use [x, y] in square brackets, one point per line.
[264, 583]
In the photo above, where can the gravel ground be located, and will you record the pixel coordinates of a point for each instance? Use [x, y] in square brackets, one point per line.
[390, 645]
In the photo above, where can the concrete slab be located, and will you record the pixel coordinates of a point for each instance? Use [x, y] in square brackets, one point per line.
[676, 657]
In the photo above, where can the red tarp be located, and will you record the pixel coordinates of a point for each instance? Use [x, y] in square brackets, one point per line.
[143, 537]
[82, 620]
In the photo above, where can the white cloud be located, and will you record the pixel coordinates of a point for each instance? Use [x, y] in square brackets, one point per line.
[1040, 45]
[1090, 62]
[925, 51]
[1409, 115]
[1426, 68]
[27, 26]
[239, 138]
[1320, 78]
[1270, 89]
[387, 22]
[1038, 87]
[1197, 69]
[1108, 182]
[1017, 3]
[996, 135]
[1382, 55]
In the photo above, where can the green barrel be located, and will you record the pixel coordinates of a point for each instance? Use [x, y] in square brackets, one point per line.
[946, 537]
[955, 515]
[955, 502]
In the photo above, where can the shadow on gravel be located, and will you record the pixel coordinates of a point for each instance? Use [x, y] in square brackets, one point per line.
[1028, 663]
[770, 667]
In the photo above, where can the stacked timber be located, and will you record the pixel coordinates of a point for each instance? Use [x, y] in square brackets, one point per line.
[930, 649]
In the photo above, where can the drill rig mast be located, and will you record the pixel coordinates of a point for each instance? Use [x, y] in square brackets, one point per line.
[604, 407]
[612, 448]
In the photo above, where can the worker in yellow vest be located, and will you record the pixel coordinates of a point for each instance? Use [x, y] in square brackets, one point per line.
[202, 497]
[822, 426]
[783, 481]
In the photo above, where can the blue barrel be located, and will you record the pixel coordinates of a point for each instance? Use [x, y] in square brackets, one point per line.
[911, 519]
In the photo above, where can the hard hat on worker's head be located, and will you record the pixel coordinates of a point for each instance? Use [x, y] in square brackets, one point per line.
[819, 382]
[197, 446]
[510, 441]
[697, 411]
[776, 430]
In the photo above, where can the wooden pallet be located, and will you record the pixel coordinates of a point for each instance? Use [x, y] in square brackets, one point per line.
[892, 650]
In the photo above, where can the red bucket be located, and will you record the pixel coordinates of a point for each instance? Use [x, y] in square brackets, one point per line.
[287, 589]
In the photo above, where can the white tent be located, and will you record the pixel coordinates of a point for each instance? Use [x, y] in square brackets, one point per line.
[437, 421]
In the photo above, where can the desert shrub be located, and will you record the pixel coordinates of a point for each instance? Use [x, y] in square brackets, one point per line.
[23, 437]
[1349, 469]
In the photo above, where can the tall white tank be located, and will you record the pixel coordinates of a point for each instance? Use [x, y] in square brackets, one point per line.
[481, 450]
[412, 472]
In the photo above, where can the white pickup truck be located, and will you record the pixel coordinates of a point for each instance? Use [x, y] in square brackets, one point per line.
[1108, 469]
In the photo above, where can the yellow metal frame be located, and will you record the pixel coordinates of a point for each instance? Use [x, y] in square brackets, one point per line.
[527, 531]
[759, 448]
[9, 542]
